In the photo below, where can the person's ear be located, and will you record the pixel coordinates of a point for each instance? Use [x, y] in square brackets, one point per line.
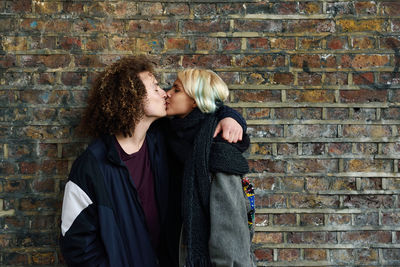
[194, 104]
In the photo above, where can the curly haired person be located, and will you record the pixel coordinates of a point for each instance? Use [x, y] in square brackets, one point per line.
[116, 199]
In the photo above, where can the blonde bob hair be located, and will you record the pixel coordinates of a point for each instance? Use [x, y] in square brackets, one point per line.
[205, 87]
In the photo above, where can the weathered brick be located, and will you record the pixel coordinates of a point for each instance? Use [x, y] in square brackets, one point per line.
[283, 78]
[71, 43]
[364, 114]
[361, 237]
[15, 186]
[340, 8]
[72, 8]
[314, 184]
[284, 219]
[315, 254]
[206, 61]
[229, 44]
[15, 258]
[366, 219]
[363, 78]
[261, 61]
[258, 26]
[43, 185]
[344, 184]
[305, 61]
[258, 43]
[282, 43]
[255, 96]
[365, 8]
[313, 201]
[285, 113]
[336, 78]
[287, 149]
[312, 26]
[177, 44]
[230, 8]
[312, 219]
[326, 96]
[267, 238]
[339, 219]
[390, 8]
[310, 8]
[271, 201]
[43, 258]
[201, 10]
[204, 43]
[305, 78]
[363, 43]
[193, 26]
[261, 149]
[391, 148]
[42, 222]
[264, 183]
[312, 131]
[266, 165]
[177, 9]
[292, 184]
[313, 148]
[347, 25]
[150, 9]
[288, 254]
[31, 204]
[310, 43]
[343, 255]
[366, 130]
[14, 223]
[391, 254]
[258, 113]
[310, 113]
[311, 238]
[358, 165]
[369, 201]
[363, 96]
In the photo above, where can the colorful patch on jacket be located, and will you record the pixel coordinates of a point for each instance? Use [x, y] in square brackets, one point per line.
[249, 190]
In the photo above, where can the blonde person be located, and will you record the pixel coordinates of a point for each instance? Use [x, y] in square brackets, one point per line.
[215, 230]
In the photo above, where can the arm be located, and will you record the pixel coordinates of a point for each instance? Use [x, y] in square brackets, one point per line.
[80, 240]
[231, 123]
[229, 243]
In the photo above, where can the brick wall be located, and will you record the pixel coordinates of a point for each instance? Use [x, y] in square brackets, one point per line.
[318, 82]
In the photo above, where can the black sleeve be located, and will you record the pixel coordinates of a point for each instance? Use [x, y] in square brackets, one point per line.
[80, 240]
[225, 112]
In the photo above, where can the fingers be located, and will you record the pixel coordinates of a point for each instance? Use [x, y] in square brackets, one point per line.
[217, 130]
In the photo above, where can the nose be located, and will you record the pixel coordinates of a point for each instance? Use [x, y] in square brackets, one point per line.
[169, 93]
[163, 94]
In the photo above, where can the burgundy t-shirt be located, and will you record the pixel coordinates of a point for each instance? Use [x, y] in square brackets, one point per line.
[139, 168]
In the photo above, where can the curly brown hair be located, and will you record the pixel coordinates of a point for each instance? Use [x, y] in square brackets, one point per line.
[116, 98]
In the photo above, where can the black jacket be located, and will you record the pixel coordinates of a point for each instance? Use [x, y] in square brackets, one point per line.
[103, 223]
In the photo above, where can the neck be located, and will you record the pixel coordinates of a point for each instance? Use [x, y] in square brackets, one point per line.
[132, 144]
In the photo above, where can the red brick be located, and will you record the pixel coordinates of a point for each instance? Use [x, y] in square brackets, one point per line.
[305, 61]
[15, 186]
[313, 201]
[177, 44]
[22, 6]
[339, 148]
[336, 43]
[42, 222]
[71, 78]
[43, 132]
[73, 8]
[70, 43]
[395, 26]
[14, 222]
[256, 96]
[336, 78]
[258, 43]
[92, 61]
[54, 167]
[283, 78]
[363, 96]
[288, 254]
[44, 114]
[230, 44]
[30, 204]
[28, 167]
[7, 61]
[264, 254]
[363, 78]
